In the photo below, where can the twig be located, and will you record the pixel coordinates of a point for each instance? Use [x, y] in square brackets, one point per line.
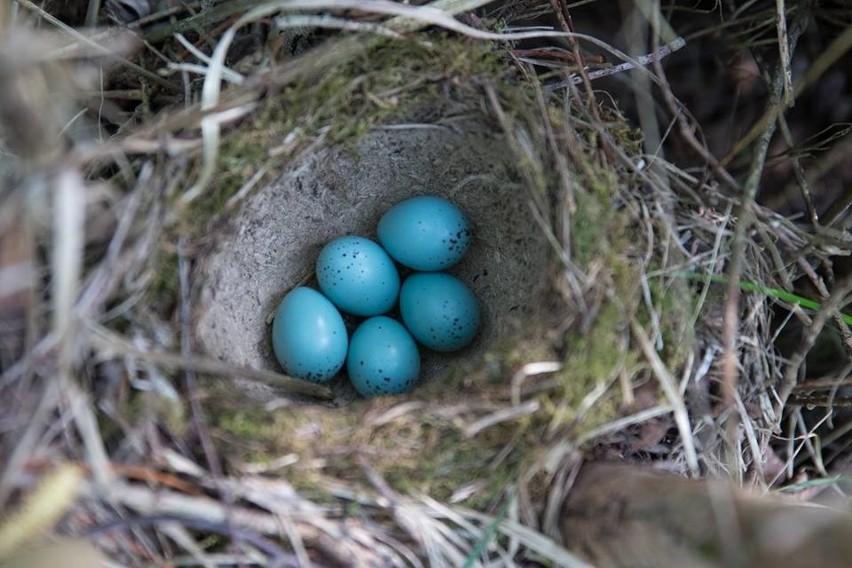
[530, 370]
[86, 423]
[563, 15]
[330, 22]
[189, 373]
[69, 209]
[67, 265]
[37, 422]
[784, 53]
[835, 51]
[504, 415]
[198, 419]
[648, 122]
[801, 177]
[111, 346]
[623, 423]
[830, 306]
[745, 217]
[165, 502]
[278, 556]
[107, 276]
[687, 131]
[838, 153]
[843, 320]
[543, 53]
[640, 61]
[100, 49]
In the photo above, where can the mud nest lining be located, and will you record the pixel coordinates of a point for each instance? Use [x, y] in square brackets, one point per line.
[272, 244]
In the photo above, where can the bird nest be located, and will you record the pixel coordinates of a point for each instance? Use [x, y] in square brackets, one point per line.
[597, 268]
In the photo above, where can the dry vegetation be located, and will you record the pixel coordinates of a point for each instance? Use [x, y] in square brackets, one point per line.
[694, 316]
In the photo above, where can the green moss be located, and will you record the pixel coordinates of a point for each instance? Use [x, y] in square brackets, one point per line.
[587, 231]
[391, 79]
[420, 451]
[674, 302]
[593, 359]
[453, 460]
[163, 292]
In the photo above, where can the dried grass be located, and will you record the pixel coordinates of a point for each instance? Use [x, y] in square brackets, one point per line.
[93, 354]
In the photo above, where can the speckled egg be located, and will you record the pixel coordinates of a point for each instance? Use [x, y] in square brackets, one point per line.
[308, 336]
[383, 358]
[358, 276]
[439, 310]
[425, 233]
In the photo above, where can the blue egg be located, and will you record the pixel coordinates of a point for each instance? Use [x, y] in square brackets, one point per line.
[425, 233]
[358, 276]
[383, 358]
[308, 336]
[439, 310]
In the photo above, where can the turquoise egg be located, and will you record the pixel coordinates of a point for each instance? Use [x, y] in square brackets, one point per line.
[308, 336]
[425, 233]
[383, 358]
[439, 310]
[358, 276]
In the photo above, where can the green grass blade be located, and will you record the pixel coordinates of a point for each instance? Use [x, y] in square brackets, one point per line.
[488, 534]
[782, 295]
[815, 483]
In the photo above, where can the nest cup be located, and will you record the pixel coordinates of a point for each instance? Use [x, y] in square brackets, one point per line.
[272, 244]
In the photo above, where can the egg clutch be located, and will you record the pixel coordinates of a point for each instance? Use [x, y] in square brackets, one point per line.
[358, 276]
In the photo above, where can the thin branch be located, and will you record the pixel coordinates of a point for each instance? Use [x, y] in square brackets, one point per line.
[834, 52]
[842, 289]
[687, 130]
[190, 375]
[784, 53]
[99, 49]
[745, 217]
[640, 61]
